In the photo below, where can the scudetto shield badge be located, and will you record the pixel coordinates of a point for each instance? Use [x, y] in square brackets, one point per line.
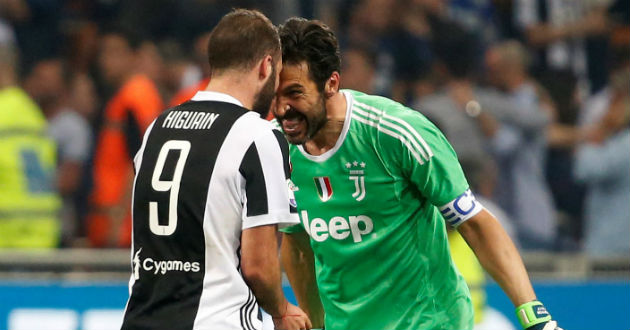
[324, 189]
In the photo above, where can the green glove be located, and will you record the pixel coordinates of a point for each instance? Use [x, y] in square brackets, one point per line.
[534, 316]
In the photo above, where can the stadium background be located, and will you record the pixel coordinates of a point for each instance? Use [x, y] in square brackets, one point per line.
[396, 48]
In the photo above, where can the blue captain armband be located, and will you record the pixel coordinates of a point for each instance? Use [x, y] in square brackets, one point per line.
[462, 208]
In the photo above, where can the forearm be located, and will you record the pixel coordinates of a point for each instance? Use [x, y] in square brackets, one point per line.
[267, 287]
[261, 268]
[298, 264]
[498, 255]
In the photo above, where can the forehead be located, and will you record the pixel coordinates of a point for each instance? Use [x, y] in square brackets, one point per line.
[296, 75]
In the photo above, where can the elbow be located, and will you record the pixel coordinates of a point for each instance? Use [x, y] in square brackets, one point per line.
[253, 273]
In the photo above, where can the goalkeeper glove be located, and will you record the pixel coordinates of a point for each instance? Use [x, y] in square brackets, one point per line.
[534, 316]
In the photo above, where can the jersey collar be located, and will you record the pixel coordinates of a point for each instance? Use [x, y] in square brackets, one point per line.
[342, 137]
[216, 96]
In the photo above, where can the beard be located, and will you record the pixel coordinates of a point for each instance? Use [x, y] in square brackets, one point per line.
[262, 101]
[313, 120]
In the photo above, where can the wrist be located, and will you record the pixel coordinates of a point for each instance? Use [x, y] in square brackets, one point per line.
[532, 313]
[282, 311]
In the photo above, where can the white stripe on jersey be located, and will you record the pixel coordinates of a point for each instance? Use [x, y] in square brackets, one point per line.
[225, 291]
[400, 125]
[392, 134]
[137, 161]
[270, 157]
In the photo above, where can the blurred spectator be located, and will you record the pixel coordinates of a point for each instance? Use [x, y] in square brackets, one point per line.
[559, 31]
[83, 96]
[409, 44]
[49, 84]
[467, 131]
[603, 164]
[38, 33]
[604, 168]
[11, 11]
[364, 23]
[186, 92]
[127, 115]
[29, 204]
[481, 174]
[478, 17]
[179, 70]
[563, 136]
[150, 62]
[358, 69]
[520, 147]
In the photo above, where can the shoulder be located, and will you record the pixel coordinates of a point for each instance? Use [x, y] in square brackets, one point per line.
[378, 111]
[254, 126]
[395, 125]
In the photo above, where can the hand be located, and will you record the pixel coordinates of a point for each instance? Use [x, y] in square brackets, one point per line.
[551, 325]
[292, 319]
[534, 316]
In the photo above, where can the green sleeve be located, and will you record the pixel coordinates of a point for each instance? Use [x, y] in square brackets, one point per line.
[425, 157]
[292, 229]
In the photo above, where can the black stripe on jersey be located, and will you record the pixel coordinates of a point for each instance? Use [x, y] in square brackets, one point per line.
[255, 188]
[246, 325]
[284, 147]
[168, 297]
[238, 255]
[250, 310]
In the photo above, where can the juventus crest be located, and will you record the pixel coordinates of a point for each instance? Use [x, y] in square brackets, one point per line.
[357, 175]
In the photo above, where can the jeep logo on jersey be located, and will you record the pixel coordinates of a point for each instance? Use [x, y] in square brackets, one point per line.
[162, 266]
[324, 189]
[338, 227]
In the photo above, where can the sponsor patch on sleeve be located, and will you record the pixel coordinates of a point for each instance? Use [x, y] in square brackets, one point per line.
[460, 209]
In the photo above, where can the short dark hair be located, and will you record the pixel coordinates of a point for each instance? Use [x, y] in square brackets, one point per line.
[314, 42]
[240, 39]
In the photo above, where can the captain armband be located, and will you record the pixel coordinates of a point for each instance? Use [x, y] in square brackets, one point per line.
[462, 208]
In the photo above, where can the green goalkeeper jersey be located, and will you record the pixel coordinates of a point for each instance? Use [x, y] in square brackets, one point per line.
[374, 207]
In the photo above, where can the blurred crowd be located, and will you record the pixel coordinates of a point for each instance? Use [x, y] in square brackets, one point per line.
[534, 96]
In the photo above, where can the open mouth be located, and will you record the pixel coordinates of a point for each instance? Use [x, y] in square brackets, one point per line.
[293, 123]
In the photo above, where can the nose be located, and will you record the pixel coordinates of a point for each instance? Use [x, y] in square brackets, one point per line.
[280, 107]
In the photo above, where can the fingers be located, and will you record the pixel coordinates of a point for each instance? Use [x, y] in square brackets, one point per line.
[308, 322]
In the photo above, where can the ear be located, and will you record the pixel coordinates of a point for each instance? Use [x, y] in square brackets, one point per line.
[332, 84]
[265, 68]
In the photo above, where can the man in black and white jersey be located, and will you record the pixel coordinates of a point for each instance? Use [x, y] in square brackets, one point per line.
[210, 191]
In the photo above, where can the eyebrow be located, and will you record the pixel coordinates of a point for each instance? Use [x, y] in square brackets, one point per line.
[292, 86]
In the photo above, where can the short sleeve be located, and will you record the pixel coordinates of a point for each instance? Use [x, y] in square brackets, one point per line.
[429, 162]
[76, 136]
[268, 198]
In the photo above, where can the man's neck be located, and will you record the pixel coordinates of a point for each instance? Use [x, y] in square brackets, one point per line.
[327, 137]
[239, 89]
[51, 109]
[515, 82]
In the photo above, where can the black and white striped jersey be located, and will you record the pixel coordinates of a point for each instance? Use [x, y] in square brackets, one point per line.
[207, 170]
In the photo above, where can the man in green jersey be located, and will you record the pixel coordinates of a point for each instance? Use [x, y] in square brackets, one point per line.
[374, 182]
